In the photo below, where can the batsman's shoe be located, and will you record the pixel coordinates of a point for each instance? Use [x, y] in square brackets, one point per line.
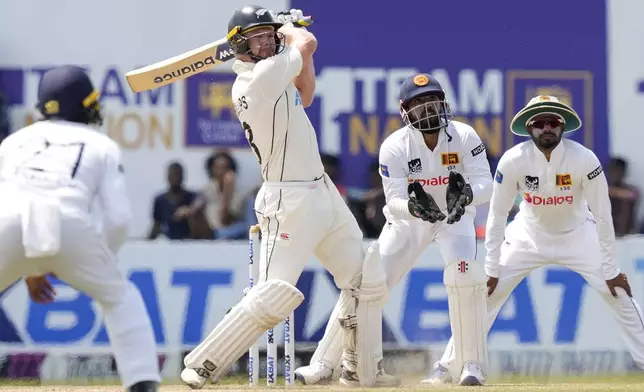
[439, 375]
[144, 386]
[317, 373]
[383, 380]
[196, 378]
[472, 375]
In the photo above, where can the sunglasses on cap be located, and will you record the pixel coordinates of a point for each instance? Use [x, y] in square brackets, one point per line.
[540, 124]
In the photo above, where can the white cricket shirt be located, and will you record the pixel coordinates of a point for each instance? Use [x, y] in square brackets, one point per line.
[556, 196]
[270, 110]
[72, 163]
[404, 158]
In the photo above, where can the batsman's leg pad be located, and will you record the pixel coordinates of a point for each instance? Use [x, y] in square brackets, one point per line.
[362, 340]
[372, 296]
[465, 282]
[262, 308]
[329, 350]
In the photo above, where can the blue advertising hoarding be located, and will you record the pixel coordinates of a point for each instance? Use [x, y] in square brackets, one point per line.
[490, 57]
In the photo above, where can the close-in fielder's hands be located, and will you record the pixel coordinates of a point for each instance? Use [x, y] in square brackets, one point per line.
[619, 281]
[40, 289]
[491, 285]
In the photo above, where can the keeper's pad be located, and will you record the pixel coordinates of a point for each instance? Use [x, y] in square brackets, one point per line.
[363, 330]
[465, 282]
[263, 307]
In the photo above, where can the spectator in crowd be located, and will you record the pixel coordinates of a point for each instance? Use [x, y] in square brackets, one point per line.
[331, 165]
[623, 197]
[4, 117]
[166, 221]
[368, 208]
[220, 203]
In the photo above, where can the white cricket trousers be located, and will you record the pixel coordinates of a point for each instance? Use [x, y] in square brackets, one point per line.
[86, 264]
[302, 219]
[527, 247]
[400, 244]
[403, 241]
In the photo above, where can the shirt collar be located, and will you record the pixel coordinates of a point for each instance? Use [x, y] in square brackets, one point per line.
[555, 156]
[242, 66]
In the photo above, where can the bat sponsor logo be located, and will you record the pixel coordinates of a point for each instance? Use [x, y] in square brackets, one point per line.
[187, 70]
[225, 54]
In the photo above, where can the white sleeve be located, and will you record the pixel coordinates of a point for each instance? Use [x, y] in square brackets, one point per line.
[477, 169]
[503, 195]
[595, 191]
[114, 200]
[273, 75]
[394, 182]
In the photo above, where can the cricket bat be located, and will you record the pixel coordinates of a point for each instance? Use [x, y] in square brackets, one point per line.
[179, 67]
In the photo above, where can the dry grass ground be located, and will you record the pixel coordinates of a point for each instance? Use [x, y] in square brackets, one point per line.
[612, 384]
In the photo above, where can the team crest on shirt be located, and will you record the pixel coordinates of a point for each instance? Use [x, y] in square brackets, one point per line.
[415, 166]
[531, 183]
[564, 180]
[384, 170]
[450, 158]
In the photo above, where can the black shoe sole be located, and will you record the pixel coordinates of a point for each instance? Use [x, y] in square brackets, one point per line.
[470, 381]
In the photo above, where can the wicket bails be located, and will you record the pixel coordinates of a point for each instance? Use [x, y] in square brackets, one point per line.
[271, 347]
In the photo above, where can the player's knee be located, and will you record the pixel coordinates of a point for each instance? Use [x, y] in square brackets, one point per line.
[373, 287]
[272, 301]
[463, 273]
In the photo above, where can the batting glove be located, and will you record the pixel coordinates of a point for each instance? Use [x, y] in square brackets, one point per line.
[295, 18]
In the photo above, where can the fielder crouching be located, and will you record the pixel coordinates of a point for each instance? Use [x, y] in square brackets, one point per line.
[51, 173]
[564, 219]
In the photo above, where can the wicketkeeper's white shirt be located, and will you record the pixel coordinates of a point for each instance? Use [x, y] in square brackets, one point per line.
[404, 158]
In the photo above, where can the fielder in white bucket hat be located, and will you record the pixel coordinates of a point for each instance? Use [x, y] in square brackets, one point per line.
[545, 105]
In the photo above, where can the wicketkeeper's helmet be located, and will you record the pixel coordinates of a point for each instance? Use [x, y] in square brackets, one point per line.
[423, 106]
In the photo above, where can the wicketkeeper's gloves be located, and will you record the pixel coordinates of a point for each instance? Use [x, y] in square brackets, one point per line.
[422, 205]
[459, 195]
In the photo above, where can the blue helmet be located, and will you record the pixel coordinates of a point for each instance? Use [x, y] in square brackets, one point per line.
[423, 106]
[67, 93]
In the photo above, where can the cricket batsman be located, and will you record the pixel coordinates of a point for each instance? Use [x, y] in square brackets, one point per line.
[299, 209]
[51, 172]
[560, 180]
[434, 172]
